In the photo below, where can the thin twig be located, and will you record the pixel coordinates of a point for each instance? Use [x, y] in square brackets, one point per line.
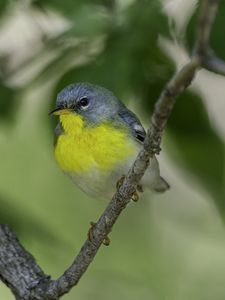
[45, 289]
[209, 59]
[206, 19]
[213, 63]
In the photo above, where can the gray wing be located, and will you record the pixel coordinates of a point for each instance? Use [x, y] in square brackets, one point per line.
[57, 133]
[152, 177]
[130, 119]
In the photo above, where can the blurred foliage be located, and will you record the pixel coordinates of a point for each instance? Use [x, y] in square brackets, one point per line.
[73, 9]
[113, 44]
[8, 102]
[3, 5]
[22, 222]
[198, 145]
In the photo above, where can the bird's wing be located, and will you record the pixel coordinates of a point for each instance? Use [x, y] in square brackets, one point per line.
[58, 132]
[153, 179]
[130, 120]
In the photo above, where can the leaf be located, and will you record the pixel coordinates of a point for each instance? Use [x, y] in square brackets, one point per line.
[196, 145]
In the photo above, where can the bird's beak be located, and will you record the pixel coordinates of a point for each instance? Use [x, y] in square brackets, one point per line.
[60, 111]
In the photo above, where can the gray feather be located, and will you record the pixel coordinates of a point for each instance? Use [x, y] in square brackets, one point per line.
[130, 119]
[58, 132]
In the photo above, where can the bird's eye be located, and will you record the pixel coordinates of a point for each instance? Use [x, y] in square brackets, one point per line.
[84, 102]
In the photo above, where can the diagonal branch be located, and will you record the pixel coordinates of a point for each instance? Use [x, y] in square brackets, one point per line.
[21, 273]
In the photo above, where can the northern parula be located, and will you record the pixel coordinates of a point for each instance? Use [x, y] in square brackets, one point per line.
[97, 139]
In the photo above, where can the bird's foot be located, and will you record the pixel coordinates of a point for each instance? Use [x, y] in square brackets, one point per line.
[90, 232]
[106, 240]
[120, 182]
[135, 197]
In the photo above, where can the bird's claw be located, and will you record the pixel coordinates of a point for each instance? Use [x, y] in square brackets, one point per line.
[90, 232]
[135, 197]
[120, 182]
[106, 240]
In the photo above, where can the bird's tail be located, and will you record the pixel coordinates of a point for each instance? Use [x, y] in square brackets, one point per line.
[161, 185]
[153, 180]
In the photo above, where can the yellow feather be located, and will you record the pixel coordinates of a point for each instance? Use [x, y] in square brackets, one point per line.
[81, 148]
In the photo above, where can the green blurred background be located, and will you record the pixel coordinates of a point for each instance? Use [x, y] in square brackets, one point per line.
[167, 247]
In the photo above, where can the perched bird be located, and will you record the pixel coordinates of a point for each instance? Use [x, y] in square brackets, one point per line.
[97, 139]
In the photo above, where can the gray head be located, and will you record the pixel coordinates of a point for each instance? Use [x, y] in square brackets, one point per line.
[94, 103]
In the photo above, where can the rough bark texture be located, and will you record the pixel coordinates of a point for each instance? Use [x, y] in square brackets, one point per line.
[18, 269]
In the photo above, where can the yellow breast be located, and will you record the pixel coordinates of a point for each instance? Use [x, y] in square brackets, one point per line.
[81, 148]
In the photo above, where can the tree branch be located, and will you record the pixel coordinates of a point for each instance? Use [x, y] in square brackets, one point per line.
[208, 58]
[208, 11]
[213, 63]
[18, 268]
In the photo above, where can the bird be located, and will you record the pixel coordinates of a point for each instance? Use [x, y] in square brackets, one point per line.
[97, 139]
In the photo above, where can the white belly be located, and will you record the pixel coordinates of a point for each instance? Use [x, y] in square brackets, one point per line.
[101, 184]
